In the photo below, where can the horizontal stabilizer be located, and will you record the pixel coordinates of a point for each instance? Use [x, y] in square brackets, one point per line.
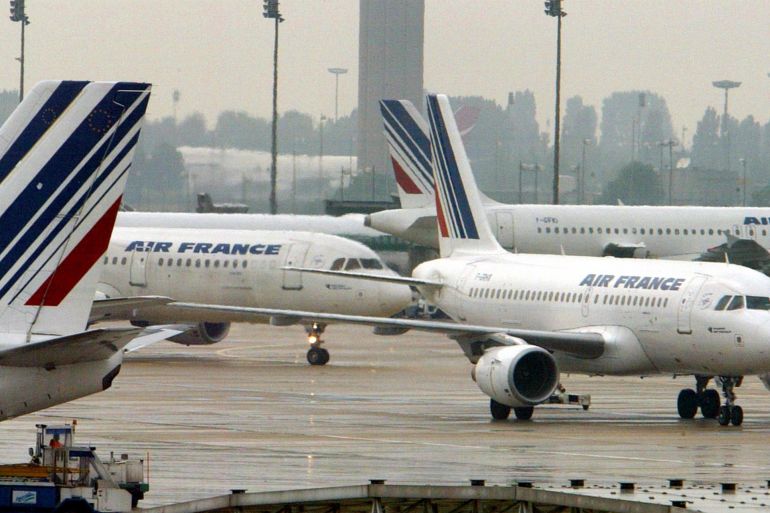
[122, 307]
[364, 276]
[155, 334]
[585, 345]
[87, 346]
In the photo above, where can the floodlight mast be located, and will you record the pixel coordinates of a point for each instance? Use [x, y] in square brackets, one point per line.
[726, 85]
[270, 10]
[553, 8]
[18, 14]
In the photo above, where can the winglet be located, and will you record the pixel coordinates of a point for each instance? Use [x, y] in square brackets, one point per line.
[462, 221]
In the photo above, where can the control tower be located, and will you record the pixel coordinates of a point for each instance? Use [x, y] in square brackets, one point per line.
[390, 65]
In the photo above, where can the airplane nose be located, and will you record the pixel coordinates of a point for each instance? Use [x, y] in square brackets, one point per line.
[394, 298]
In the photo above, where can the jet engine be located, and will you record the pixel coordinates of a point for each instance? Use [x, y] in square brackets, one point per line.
[205, 333]
[518, 375]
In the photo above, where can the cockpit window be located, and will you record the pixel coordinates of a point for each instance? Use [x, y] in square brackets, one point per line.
[757, 303]
[352, 264]
[736, 303]
[337, 264]
[371, 263]
[722, 303]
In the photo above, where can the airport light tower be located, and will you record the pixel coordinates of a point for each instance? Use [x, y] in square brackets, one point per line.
[337, 72]
[271, 11]
[18, 14]
[726, 85]
[553, 8]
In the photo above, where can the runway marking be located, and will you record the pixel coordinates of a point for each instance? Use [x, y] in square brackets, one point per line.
[226, 351]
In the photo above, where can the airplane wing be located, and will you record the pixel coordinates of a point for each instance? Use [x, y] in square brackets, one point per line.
[120, 307]
[746, 252]
[581, 344]
[365, 276]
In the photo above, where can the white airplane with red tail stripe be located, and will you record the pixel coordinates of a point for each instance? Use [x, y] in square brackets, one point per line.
[64, 157]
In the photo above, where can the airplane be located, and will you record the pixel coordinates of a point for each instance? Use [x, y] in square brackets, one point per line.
[241, 267]
[350, 226]
[521, 319]
[682, 233]
[65, 153]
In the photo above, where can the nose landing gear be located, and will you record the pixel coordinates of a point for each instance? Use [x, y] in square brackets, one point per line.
[316, 355]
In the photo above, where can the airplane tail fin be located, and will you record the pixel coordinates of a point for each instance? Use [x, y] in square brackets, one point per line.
[64, 157]
[462, 220]
[409, 145]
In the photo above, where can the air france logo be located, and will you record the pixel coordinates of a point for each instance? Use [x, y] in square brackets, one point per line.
[204, 248]
[632, 282]
[756, 220]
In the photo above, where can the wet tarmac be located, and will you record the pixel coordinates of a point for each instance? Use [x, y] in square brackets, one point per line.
[250, 413]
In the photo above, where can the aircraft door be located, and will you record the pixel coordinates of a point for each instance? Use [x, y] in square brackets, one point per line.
[504, 229]
[295, 257]
[686, 303]
[586, 301]
[462, 287]
[138, 271]
[745, 231]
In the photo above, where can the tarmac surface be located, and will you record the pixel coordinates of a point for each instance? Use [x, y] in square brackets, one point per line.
[250, 413]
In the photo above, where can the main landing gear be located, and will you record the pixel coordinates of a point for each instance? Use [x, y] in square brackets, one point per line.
[501, 411]
[707, 399]
[316, 355]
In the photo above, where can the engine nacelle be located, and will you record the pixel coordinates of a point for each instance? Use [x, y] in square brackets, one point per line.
[519, 375]
[205, 333]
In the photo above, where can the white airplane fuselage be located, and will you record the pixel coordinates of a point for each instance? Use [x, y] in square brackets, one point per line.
[582, 230]
[657, 317]
[243, 268]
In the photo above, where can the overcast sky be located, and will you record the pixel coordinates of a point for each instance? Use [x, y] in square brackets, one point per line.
[218, 53]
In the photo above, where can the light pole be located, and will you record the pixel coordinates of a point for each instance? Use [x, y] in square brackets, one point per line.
[743, 186]
[337, 72]
[553, 8]
[18, 14]
[321, 151]
[271, 11]
[726, 85]
[582, 182]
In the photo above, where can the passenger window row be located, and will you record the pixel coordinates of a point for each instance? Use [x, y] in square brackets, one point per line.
[567, 297]
[642, 231]
[186, 262]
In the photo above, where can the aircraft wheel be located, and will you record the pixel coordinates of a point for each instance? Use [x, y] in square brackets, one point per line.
[687, 403]
[736, 415]
[709, 404]
[499, 411]
[524, 412]
[724, 415]
[317, 356]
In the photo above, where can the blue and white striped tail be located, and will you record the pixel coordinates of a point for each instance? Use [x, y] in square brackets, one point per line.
[406, 133]
[462, 221]
[64, 158]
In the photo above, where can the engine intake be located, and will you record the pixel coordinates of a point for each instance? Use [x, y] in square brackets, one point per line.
[205, 333]
[520, 375]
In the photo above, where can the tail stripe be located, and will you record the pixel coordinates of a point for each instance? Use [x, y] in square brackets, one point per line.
[63, 223]
[452, 192]
[409, 139]
[75, 193]
[69, 156]
[55, 105]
